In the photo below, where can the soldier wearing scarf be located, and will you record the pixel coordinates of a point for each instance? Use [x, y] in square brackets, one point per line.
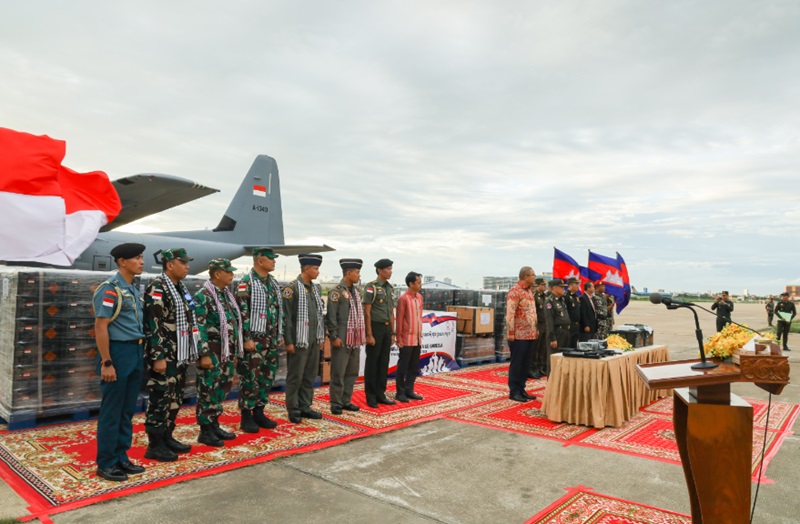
[345, 323]
[220, 323]
[304, 334]
[172, 342]
[259, 299]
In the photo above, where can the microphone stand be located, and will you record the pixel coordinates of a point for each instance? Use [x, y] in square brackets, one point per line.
[703, 364]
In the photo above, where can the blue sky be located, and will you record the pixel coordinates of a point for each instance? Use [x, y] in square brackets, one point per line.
[460, 139]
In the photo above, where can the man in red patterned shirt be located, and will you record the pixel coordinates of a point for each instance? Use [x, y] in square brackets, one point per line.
[408, 322]
[521, 332]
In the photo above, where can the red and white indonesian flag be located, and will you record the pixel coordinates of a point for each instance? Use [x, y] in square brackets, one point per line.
[48, 213]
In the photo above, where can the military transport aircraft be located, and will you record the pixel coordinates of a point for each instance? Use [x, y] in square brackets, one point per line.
[254, 218]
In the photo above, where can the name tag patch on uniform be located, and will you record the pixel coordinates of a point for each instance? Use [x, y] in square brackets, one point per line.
[111, 292]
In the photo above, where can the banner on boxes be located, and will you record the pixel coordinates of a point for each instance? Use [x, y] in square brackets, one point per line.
[438, 349]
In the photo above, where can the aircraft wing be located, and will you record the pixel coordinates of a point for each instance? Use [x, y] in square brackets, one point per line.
[147, 194]
[296, 250]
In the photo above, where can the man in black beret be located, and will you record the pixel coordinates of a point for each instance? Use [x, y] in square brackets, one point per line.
[379, 323]
[119, 335]
[572, 300]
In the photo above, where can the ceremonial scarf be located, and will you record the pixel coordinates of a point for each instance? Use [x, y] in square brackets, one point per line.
[303, 314]
[225, 353]
[187, 340]
[258, 304]
[356, 336]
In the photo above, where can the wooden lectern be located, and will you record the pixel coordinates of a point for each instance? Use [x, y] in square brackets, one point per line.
[714, 429]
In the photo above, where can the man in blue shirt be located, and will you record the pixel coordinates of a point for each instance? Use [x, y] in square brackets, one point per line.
[119, 336]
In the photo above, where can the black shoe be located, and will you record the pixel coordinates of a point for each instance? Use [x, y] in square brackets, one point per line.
[401, 398]
[174, 445]
[528, 395]
[114, 474]
[262, 420]
[209, 437]
[387, 401]
[158, 450]
[310, 413]
[414, 396]
[336, 410]
[518, 398]
[372, 404]
[221, 433]
[351, 407]
[131, 468]
[248, 425]
[786, 349]
[295, 418]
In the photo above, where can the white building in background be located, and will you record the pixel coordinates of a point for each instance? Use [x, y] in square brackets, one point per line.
[437, 284]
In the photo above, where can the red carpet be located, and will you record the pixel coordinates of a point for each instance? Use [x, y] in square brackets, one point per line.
[54, 465]
[583, 506]
[781, 417]
[493, 376]
[440, 398]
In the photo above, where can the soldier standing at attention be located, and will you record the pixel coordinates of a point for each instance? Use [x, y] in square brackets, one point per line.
[173, 340]
[611, 301]
[784, 326]
[539, 365]
[259, 297]
[572, 300]
[521, 333]
[379, 323]
[601, 309]
[724, 308]
[770, 307]
[220, 323]
[304, 335]
[409, 338]
[119, 334]
[557, 318]
[588, 314]
[346, 331]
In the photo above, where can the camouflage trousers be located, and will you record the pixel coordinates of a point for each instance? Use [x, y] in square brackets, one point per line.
[213, 386]
[166, 396]
[256, 372]
[603, 328]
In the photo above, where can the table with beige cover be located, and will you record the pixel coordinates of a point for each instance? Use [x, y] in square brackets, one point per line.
[600, 392]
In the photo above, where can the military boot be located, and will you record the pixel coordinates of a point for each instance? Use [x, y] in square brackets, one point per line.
[248, 425]
[221, 433]
[209, 437]
[262, 420]
[157, 450]
[174, 445]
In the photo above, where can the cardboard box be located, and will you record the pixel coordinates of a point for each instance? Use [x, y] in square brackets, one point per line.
[473, 320]
[326, 348]
[325, 373]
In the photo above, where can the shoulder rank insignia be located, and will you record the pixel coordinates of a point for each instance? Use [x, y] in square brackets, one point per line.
[334, 296]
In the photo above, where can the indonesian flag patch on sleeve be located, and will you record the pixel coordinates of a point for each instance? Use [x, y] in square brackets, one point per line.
[156, 295]
[108, 302]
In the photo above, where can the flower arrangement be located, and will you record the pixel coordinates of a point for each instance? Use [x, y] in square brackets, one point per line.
[617, 342]
[725, 343]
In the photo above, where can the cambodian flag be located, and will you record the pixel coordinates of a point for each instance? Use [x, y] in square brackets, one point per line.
[564, 267]
[610, 271]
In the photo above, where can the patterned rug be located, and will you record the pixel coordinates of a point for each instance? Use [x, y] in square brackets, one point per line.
[781, 417]
[487, 376]
[440, 398]
[54, 465]
[583, 506]
[521, 417]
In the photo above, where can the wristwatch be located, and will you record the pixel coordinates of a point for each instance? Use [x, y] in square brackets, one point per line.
[108, 363]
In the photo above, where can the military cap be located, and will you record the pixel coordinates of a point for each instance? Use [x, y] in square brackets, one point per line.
[310, 260]
[350, 263]
[573, 280]
[599, 283]
[539, 280]
[176, 253]
[265, 252]
[222, 264]
[129, 250]
[383, 263]
[724, 292]
[785, 294]
[555, 282]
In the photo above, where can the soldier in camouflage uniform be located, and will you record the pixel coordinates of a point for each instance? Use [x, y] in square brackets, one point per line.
[601, 309]
[612, 302]
[219, 321]
[259, 298]
[557, 319]
[172, 341]
[539, 365]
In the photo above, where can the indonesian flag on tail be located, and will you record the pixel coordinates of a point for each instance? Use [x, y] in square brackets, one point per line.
[564, 267]
[48, 213]
[611, 272]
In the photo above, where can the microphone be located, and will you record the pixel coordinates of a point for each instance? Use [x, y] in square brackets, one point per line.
[658, 298]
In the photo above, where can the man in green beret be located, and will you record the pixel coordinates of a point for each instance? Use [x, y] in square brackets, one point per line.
[172, 342]
[219, 321]
[259, 297]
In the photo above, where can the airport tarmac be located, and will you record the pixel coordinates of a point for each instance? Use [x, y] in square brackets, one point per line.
[449, 472]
